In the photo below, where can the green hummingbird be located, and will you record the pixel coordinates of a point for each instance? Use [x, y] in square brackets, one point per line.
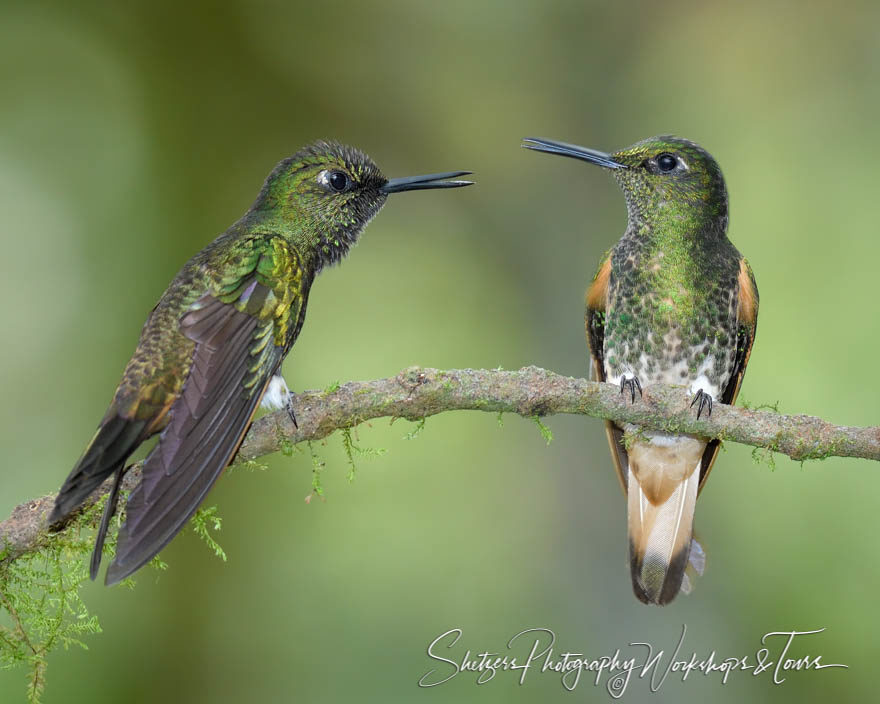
[673, 302]
[212, 348]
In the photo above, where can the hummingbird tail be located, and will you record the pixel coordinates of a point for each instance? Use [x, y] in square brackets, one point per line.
[660, 503]
[115, 440]
[696, 565]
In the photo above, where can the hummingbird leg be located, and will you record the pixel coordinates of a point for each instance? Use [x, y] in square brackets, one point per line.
[705, 402]
[632, 384]
[290, 397]
[278, 396]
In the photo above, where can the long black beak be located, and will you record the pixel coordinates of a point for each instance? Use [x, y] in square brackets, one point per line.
[421, 183]
[572, 150]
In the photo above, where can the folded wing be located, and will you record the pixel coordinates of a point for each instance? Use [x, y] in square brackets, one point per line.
[233, 360]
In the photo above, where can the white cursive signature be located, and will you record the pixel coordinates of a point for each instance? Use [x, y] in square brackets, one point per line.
[534, 650]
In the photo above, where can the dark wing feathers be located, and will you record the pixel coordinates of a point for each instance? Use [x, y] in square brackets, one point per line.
[220, 368]
[747, 325]
[207, 424]
[115, 440]
[597, 297]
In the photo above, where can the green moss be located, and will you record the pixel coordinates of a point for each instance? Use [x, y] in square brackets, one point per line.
[40, 601]
[317, 468]
[250, 465]
[415, 432]
[351, 449]
[764, 455]
[774, 407]
[201, 521]
[285, 447]
[546, 433]
[805, 451]
[629, 439]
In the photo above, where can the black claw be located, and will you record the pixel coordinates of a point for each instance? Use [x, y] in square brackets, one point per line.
[290, 411]
[633, 384]
[705, 403]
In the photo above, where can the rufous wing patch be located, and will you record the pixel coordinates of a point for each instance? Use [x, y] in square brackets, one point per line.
[597, 295]
[747, 308]
[596, 302]
[747, 320]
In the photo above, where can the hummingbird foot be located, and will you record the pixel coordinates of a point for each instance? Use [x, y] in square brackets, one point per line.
[289, 406]
[278, 396]
[632, 384]
[705, 403]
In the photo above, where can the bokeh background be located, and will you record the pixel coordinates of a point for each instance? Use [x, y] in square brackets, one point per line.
[132, 133]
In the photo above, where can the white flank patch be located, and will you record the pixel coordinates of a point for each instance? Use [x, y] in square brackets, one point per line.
[620, 377]
[702, 381]
[276, 394]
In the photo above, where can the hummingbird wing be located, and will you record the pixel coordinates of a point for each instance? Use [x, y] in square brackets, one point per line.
[597, 298]
[747, 325]
[239, 332]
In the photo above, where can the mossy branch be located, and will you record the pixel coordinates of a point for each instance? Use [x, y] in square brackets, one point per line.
[531, 392]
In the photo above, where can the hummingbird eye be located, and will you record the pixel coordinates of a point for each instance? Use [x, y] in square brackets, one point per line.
[666, 162]
[335, 181]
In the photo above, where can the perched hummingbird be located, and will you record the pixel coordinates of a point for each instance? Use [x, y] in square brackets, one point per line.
[212, 347]
[673, 302]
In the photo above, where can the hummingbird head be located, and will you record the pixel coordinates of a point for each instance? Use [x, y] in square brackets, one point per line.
[664, 179]
[327, 192]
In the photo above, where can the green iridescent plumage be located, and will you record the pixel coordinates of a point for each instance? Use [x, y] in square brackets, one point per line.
[215, 342]
[675, 271]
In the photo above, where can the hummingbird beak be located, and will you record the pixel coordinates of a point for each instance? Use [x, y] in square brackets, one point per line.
[421, 183]
[572, 150]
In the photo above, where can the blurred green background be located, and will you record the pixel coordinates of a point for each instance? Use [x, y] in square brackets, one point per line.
[133, 133]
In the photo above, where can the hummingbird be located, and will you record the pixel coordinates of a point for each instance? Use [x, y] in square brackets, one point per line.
[211, 350]
[673, 302]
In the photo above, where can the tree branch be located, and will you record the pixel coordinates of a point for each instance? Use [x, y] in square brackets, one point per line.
[417, 393]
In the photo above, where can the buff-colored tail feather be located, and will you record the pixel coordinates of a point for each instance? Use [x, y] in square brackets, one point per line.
[662, 485]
